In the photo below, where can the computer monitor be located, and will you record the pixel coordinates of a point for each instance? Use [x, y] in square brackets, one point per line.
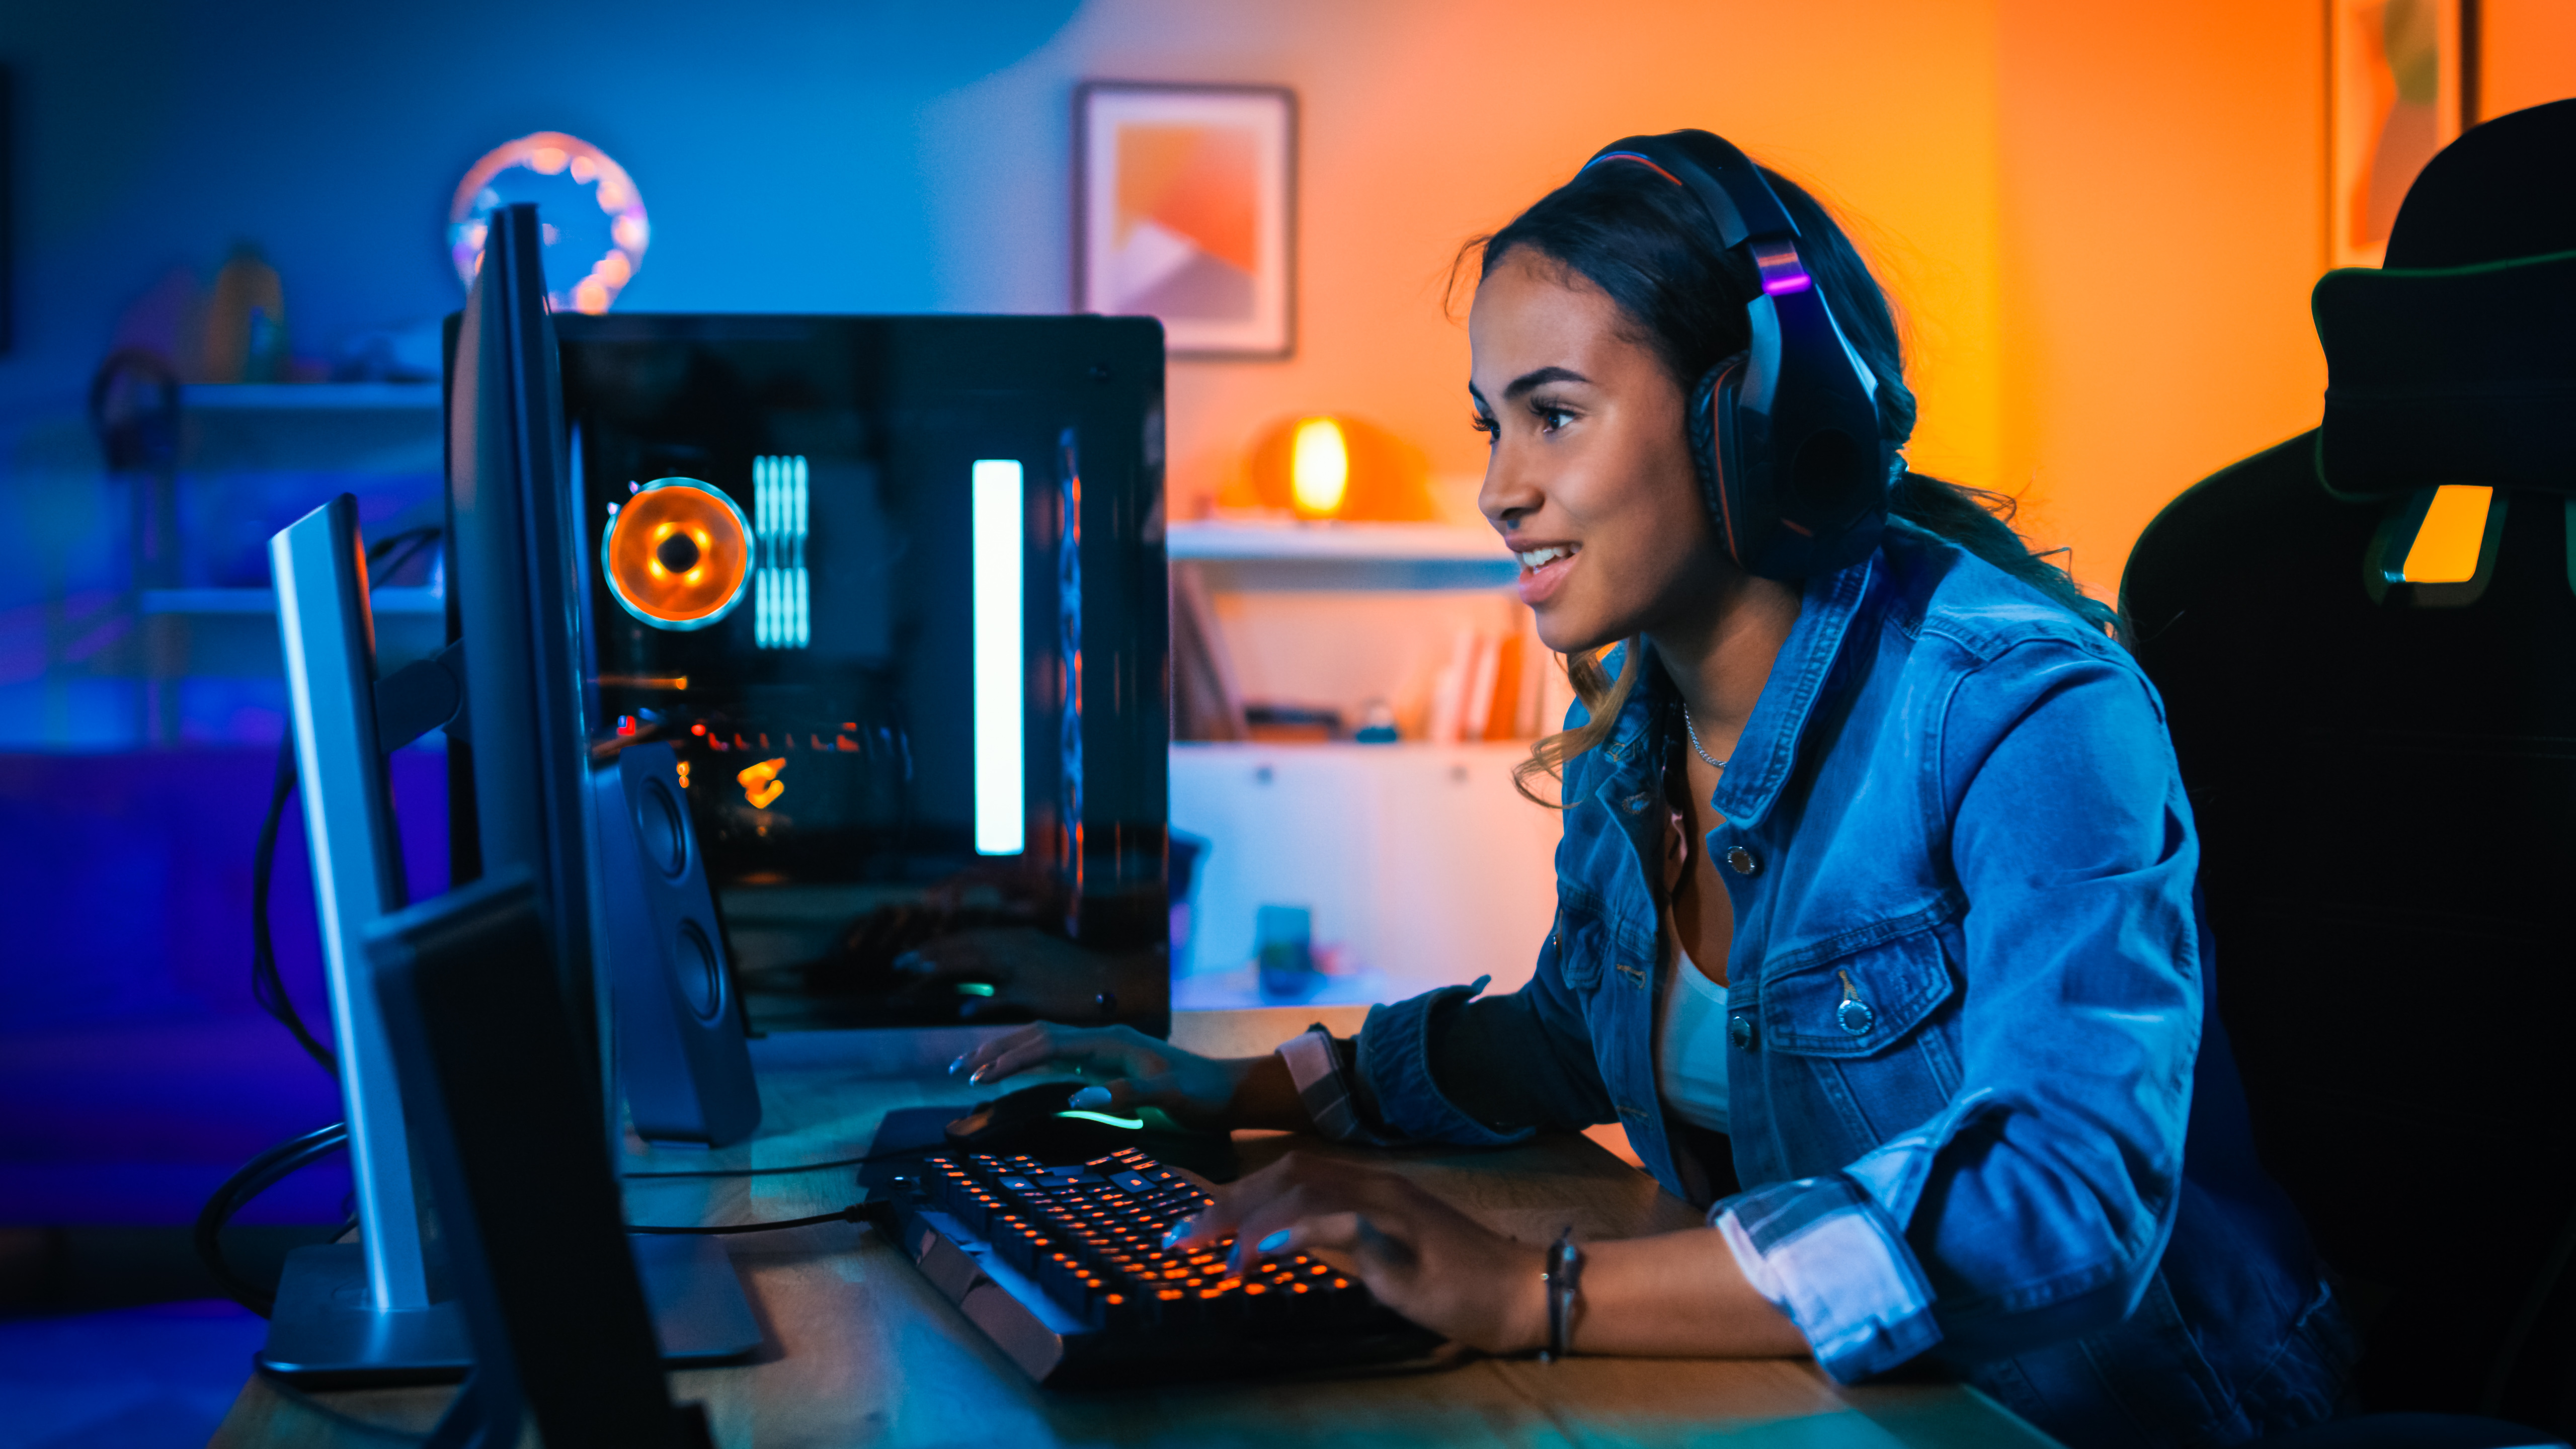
[512, 573]
[508, 1128]
[938, 704]
[371, 1311]
[328, 633]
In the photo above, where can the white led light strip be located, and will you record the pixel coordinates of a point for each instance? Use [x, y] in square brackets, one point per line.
[781, 602]
[1001, 809]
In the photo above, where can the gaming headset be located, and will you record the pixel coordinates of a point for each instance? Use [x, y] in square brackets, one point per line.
[1785, 434]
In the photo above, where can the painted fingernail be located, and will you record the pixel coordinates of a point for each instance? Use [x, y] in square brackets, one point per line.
[1090, 1097]
[961, 1061]
[1274, 1242]
[1179, 1231]
[1234, 1261]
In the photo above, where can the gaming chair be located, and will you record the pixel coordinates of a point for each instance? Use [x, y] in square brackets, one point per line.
[2383, 768]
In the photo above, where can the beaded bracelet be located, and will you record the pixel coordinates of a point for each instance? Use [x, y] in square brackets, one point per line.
[1564, 1280]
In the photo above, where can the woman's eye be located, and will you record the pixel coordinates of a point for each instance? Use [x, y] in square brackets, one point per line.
[1551, 418]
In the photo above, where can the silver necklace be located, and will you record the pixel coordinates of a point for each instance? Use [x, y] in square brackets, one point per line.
[1696, 746]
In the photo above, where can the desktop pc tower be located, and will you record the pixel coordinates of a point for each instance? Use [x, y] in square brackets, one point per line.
[934, 698]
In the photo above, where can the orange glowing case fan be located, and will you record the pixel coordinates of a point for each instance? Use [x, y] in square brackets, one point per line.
[678, 555]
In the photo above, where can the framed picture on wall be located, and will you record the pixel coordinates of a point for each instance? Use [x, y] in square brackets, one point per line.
[1185, 210]
[2401, 86]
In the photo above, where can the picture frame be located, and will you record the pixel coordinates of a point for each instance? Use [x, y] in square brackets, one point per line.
[2401, 84]
[1184, 209]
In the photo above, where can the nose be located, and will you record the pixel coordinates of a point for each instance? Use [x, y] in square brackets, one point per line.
[1509, 494]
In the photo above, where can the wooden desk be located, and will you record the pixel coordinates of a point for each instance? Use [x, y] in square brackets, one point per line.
[862, 1351]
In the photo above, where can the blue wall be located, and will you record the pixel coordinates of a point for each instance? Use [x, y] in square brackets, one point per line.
[792, 155]
[869, 156]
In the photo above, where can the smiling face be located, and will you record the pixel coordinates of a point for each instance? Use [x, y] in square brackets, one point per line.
[1590, 478]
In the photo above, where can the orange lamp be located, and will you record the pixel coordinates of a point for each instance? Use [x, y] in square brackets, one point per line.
[1333, 467]
[678, 554]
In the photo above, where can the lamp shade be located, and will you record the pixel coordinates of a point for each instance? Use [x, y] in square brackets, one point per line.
[1321, 466]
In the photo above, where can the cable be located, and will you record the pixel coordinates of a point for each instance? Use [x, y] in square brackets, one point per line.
[255, 1177]
[861, 1161]
[266, 986]
[857, 1212]
[387, 555]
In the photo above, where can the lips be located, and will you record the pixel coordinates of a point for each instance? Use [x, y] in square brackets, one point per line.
[1543, 569]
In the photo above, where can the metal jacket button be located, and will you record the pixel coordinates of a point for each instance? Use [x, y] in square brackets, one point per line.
[1854, 1015]
[1634, 803]
[1742, 860]
[1739, 1030]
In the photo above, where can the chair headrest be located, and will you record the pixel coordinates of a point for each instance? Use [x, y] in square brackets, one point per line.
[2456, 375]
[2501, 192]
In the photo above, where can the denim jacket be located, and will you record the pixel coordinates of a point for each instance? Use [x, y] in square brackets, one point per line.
[1968, 991]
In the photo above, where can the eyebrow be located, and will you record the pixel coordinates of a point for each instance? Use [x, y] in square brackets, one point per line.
[1533, 379]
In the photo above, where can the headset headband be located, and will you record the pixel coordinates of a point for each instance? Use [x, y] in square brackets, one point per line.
[1786, 437]
[1738, 200]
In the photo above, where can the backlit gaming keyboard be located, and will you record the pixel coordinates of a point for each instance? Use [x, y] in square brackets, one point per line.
[1063, 1267]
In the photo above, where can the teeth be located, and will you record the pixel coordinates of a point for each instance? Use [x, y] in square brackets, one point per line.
[1538, 558]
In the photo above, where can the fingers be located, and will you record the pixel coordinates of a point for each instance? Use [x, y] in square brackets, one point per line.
[1115, 1095]
[977, 1061]
[1125, 1095]
[1341, 1234]
[1309, 1205]
[1115, 1048]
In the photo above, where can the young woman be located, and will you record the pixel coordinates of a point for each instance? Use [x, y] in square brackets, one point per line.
[1875, 928]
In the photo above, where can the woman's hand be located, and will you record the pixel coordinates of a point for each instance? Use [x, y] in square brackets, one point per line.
[1420, 1256]
[1134, 1070]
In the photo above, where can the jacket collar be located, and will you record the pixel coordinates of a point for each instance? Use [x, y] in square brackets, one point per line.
[1767, 751]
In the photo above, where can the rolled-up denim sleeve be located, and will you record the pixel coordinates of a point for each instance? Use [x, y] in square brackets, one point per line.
[2037, 1204]
[1454, 1066]
[1831, 1252]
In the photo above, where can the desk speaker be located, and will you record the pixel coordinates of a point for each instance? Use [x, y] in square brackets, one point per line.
[680, 1050]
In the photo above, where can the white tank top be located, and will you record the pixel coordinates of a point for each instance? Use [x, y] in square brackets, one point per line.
[1690, 1047]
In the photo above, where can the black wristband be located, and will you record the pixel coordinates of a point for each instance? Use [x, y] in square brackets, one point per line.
[1564, 1280]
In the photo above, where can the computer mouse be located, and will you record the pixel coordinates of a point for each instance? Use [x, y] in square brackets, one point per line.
[1008, 1119]
[1042, 1122]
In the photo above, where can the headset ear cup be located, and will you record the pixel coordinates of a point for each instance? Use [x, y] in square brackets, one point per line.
[1706, 425]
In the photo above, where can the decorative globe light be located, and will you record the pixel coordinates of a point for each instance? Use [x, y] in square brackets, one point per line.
[588, 210]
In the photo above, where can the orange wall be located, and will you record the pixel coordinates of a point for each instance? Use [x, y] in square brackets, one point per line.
[2101, 222]
[1425, 123]
[2163, 221]
[2529, 53]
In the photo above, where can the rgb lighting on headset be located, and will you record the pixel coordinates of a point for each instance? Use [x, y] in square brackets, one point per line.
[678, 554]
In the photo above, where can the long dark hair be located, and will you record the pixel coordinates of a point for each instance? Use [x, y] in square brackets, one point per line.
[1647, 243]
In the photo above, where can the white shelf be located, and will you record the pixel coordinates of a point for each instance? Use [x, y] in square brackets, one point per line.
[1398, 556]
[383, 602]
[1375, 542]
[310, 396]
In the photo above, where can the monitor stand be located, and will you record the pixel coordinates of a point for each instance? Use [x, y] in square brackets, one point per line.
[323, 1333]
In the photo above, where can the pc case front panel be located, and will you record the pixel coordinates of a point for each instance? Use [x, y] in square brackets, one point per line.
[831, 724]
